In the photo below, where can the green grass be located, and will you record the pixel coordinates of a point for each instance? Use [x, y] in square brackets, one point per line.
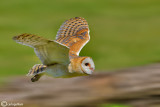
[124, 33]
[113, 105]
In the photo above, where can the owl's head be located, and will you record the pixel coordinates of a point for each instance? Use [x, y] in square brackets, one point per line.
[83, 65]
[87, 65]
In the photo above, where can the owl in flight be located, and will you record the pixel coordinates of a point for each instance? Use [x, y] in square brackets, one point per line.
[60, 58]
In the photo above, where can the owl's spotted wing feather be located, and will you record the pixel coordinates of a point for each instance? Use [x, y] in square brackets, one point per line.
[74, 33]
[48, 51]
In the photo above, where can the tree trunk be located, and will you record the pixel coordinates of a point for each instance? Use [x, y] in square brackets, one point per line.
[138, 87]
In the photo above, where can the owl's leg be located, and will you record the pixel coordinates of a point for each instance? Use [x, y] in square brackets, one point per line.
[37, 69]
[36, 77]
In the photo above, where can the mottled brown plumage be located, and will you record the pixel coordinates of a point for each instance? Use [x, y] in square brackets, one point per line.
[74, 33]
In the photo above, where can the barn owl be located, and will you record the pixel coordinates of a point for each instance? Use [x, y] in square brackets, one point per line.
[60, 57]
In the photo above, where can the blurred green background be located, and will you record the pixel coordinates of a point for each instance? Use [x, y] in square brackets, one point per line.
[124, 33]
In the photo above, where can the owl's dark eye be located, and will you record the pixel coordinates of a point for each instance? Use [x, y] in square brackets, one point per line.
[86, 64]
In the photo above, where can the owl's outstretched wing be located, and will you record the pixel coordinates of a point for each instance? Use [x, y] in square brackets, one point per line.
[74, 33]
[48, 51]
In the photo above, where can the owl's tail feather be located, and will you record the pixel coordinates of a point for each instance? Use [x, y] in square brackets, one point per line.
[37, 69]
[30, 40]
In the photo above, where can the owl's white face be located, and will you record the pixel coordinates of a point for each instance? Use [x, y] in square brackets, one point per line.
[87, 66]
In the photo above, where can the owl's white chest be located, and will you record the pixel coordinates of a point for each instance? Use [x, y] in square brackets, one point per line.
[57, 70]
[60, 71]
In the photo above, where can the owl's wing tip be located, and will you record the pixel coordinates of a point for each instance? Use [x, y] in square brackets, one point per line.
[79, 18]
[19, 36]
[15, 37]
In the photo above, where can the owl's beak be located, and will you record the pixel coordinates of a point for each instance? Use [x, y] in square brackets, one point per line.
[89, 72]
[92, 69]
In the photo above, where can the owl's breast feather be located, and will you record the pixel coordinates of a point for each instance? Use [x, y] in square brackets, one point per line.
[61, 71]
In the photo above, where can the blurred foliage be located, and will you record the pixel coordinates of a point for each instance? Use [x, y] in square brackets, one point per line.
[124, 33]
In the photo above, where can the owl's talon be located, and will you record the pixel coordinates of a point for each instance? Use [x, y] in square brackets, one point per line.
[35, 78]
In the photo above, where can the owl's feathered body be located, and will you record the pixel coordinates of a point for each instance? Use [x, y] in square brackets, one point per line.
[61, 71]
[60, 58]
